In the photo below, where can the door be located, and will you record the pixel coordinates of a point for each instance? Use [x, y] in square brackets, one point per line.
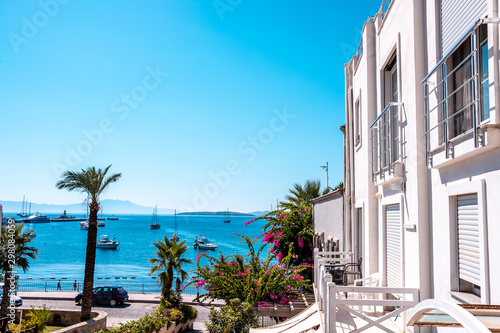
[469, 266]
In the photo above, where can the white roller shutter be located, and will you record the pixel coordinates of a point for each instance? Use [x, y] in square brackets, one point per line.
[469, 268]
[457, 16]
[393, 245]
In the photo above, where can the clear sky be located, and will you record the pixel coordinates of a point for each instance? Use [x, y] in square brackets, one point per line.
[200, 104]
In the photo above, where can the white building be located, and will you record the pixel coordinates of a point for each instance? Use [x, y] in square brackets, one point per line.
[422, 149]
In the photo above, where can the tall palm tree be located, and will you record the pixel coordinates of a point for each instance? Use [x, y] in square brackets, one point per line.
[302, 195]
[169, 258]
[93, 182]
[15, 252]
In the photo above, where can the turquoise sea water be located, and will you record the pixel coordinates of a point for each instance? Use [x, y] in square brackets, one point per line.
[62, 245]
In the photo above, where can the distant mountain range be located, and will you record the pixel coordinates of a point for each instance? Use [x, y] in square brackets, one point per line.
[109, 206]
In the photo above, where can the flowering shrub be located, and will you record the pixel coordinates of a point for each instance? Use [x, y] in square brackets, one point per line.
[290, 227]
[250, 279]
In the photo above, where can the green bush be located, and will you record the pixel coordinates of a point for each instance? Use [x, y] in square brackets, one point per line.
[39, 316]
[235, 317]
[163, 316]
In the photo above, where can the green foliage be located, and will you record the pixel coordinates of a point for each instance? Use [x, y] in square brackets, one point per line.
[168, 258]
[290, 227]
[237, 316]
[302, 195]
[163, 316]
[39, 316]
[249, 278]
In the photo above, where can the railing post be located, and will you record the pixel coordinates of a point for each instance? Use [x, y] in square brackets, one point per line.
[45, 285]
[475, 84]
[445, 111]
[326, 280]
[331, 308]
[143, 288]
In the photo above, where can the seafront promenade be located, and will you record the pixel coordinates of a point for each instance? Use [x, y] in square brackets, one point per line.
[140, 304]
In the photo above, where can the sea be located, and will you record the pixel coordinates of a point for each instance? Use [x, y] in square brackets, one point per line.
[62, 245]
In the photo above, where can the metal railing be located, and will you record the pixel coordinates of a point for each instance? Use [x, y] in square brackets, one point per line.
[385, 139]
[143, 288]
[442, 112]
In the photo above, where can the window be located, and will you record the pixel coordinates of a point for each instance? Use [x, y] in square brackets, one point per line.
[357, 120]
[483, 74]
[460, 91]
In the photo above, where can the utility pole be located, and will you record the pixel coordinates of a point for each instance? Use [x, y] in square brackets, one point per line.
[326, 169]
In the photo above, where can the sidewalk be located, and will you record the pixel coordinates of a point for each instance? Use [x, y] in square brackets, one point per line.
[133, 297]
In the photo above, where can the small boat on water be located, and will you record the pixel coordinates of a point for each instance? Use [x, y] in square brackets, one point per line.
[66, 218]
[37, 218]
[154, 220]
[101, 224]
[202, 243]
[226, 217]
[175, 236]
[113, 218]
[104, 242]
[84, 225]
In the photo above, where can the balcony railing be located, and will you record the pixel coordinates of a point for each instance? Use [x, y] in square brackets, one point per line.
[385, 138]
[452, 101]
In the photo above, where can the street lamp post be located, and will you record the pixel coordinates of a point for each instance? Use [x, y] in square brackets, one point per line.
[326, 169]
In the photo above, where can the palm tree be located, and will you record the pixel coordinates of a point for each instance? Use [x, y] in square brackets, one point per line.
[93, 182]
[169, 258]
[302, 195]
[15, 252]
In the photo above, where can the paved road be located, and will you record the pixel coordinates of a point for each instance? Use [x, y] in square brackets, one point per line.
[121, 313]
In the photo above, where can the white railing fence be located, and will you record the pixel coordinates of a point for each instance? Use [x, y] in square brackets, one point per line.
[340, 297]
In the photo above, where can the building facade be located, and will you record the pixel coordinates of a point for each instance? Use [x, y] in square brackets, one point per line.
[422, 148]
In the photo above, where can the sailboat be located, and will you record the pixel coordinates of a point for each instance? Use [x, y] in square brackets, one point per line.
[175, 236]
[154, 220]
[24, 208]
[226, 217]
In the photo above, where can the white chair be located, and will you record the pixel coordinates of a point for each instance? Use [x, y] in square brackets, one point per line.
[370, 281]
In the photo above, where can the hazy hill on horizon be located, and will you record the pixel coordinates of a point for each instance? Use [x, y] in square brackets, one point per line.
[109, 206]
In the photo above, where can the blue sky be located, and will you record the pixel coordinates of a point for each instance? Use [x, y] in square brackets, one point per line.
[200, 104]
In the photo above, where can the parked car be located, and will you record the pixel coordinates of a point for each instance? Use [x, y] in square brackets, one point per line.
[106, 295]
[18, 301]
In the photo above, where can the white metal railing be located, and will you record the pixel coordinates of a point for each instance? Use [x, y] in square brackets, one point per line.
[444, 117]
[385, 139]
[337, 298]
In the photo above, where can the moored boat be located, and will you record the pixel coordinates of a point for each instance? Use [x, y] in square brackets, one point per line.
[202, 243]
[84, 225]
[113, 218]
[175, 236]
[101, 224]
[154, 221]
[37, 218]
[104, 242]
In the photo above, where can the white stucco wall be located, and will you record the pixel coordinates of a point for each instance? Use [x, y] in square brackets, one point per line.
[328, 218]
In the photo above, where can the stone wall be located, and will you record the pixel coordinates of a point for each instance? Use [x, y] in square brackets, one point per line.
[71, 319]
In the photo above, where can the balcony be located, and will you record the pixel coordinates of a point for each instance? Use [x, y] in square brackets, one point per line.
[385, 138]
[456, 103]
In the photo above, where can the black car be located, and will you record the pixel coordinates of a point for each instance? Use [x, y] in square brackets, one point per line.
[106, 295]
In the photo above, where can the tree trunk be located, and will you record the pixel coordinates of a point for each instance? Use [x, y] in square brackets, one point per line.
[6, 295]
[88, 281]
[170, 277]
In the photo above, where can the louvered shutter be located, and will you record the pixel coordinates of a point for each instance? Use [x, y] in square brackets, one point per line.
[457, 16]
[469, 268]
[393, 245]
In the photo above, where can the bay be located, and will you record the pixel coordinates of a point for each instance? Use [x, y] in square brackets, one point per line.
[62, 245]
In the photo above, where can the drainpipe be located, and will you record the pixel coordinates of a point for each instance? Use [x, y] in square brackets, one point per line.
[496, 65]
